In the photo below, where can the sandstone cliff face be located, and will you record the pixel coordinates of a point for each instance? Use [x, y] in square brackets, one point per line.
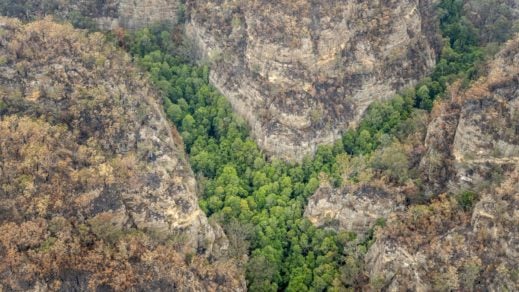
[440, 248]
[353, 209]
[107, 14]
[137, 14]
[488, 129]
[301, 72]
[476, 134]
[477, 249]
[436, 165]
[94, 186]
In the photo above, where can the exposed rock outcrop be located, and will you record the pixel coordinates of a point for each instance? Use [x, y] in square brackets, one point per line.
[487, 136]
[475, 135]
[354, 209]
[441, 248]
[107, 14]
[95, 189]
[455, 248]
[301, 72]
[436, 165]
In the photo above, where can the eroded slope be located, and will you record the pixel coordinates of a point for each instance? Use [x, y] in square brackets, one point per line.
[442, 246]
[95, 189]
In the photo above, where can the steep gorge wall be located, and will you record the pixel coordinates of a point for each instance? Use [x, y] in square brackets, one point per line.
[466, 238]
[107, 14]
[95, 189]
[477, 130]
[301, 72]
[478, 248]
[137, 14]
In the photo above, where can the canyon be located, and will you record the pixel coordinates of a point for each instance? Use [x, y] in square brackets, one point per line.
[97, 188]
[282, 65]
